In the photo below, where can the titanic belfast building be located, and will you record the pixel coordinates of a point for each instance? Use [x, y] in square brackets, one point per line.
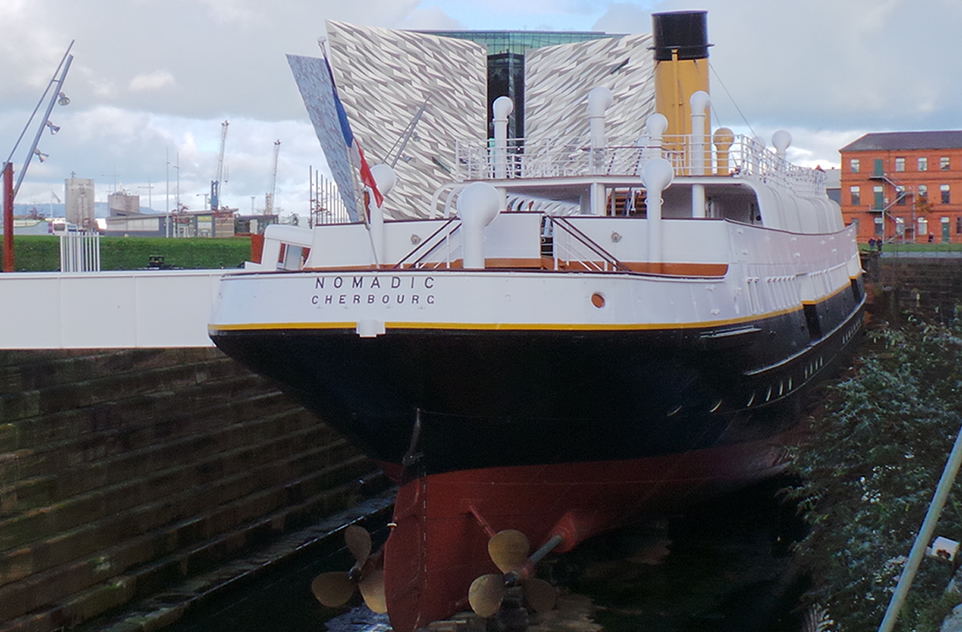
[413, 96]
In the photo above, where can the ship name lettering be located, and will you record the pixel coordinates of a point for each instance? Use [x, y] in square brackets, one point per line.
[372, 282]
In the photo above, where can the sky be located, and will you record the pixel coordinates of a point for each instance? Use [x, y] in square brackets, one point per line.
[151, 81]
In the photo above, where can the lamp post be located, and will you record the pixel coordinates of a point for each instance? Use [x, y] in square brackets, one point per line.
[8, 217]
[9, 188]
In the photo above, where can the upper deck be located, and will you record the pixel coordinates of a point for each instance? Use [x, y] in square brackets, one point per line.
[734, 156]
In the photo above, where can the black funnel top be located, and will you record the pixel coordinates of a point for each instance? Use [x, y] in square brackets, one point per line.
[684, 31]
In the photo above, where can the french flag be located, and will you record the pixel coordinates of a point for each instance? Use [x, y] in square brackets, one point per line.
[353, 145]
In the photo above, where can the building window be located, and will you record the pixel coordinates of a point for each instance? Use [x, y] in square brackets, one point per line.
[900, 195]
[900, 226]
[958, 225]
[879, 227]
[923, 164]
[854, 164]
[923, 193]
[856, 198]
[900, 164]
[946, 195]
[878, 192]
[944, 163]
[923, 227]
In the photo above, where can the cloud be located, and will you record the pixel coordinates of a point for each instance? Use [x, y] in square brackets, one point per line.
[431, 19]
[825, 70]
[622, 17]
[153, 81]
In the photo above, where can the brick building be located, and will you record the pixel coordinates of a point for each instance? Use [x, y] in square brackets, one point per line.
[904, 186]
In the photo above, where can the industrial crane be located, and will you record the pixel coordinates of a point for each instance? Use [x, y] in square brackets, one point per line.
[215, 184]
[269, 198]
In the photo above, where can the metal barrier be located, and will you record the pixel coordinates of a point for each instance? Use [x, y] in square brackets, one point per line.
[80, 252]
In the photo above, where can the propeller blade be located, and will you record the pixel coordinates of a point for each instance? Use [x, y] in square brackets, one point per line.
[509, 550]
[332, 589]
[541, 595]
[358, 542]
[372, 589]
[486, 594]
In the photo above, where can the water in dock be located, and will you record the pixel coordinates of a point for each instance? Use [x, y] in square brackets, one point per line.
[723, 568]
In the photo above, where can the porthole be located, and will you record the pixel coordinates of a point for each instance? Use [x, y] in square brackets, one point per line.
[598, 300]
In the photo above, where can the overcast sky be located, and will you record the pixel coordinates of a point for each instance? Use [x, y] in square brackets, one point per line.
[152, 80]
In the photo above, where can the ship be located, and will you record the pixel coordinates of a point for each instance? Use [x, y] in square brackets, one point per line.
[580, 335]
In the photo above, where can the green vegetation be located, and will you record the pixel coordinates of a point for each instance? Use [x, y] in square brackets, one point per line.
[870, 470]
[37, 253]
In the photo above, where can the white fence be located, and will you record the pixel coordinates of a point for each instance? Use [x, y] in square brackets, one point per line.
[99, 310]
[80, 252]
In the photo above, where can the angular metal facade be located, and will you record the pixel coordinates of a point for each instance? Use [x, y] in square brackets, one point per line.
[384, 77]
[559, 78]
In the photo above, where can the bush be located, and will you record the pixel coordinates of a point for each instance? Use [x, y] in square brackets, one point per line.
[870, 470]
[39, 253]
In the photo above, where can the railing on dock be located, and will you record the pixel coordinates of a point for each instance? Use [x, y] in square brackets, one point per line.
[80, 252]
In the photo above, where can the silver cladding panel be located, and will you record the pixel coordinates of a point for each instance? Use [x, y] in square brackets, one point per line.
[559, 78]
[314, 83]
[383, 78]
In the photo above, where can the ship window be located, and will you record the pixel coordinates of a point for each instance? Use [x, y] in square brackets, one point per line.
[854, 164]
[856, 197]
[944, 163]
[900, 164]
[923, 163]
[946, 195]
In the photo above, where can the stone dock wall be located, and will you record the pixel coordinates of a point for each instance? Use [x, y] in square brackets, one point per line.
[125, 472]
[928, 285]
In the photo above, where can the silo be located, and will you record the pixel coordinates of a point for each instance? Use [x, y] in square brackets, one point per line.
[79, 202]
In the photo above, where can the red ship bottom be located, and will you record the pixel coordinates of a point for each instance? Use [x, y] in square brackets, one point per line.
[444, 521]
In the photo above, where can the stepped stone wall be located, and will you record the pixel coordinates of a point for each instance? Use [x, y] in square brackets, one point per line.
[125, 472]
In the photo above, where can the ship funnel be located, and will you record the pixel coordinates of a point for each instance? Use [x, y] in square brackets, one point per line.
[385, 178]
[681, 65]
[478, 205]
[781, 141]
[501, 109]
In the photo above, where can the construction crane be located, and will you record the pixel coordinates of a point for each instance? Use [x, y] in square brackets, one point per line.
[215, 183]
[269, 198]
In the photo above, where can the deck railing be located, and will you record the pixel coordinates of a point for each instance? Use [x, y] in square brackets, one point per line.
[552, 158]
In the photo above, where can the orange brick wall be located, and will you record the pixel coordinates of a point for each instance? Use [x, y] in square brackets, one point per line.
[910, 178]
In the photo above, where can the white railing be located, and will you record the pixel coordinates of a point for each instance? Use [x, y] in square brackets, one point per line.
[80, 252]
[570, 245]
[551, 158]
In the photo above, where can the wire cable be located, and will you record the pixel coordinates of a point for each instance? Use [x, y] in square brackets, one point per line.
[738, 109]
